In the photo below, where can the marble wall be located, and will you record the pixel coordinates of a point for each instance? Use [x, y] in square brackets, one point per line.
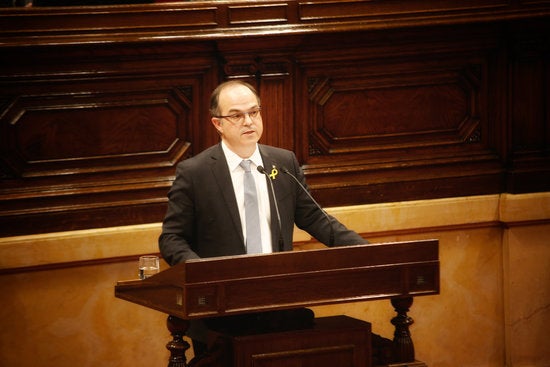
[59, 307]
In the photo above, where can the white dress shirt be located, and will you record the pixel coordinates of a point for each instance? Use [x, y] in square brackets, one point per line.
[237, 176]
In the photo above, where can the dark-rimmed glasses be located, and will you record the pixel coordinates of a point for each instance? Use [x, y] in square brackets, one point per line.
[239, 117]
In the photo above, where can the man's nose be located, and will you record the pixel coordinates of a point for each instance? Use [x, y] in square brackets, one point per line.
[247, 119]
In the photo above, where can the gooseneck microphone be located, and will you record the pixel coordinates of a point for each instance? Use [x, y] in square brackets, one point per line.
[331, 236]
[281, 242]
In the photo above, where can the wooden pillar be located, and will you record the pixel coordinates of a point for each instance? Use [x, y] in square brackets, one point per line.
[177, 346]
[403, 347]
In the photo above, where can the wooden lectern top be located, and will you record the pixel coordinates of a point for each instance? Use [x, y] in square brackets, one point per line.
[251, 283]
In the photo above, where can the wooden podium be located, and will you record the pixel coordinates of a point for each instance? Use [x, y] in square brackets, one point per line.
[234, 285]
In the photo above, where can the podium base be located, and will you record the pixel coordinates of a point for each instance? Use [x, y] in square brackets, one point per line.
[331, 341]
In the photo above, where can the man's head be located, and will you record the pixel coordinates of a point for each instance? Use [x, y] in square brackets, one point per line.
[235, 110]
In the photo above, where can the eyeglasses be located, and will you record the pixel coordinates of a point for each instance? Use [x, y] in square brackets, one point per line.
[239, 117]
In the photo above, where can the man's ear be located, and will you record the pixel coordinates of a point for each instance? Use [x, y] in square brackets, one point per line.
[217, 124]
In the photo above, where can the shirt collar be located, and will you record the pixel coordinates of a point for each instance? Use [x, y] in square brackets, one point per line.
[233, 160]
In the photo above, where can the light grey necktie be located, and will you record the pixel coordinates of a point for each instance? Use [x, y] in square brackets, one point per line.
[251, 212]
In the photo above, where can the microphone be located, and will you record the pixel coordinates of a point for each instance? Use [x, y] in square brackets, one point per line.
[331, 236]
[281, 242]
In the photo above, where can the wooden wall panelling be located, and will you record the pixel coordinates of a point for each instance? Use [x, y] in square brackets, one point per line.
[380, 102]
[268, 64]
[376, 10]
[401, 117]
[528, 108]
[227, 19]
[93, 142]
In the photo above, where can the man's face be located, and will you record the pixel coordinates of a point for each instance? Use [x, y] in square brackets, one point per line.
[240, 136]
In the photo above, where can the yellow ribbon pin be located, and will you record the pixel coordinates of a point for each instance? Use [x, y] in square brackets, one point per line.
[273, 173]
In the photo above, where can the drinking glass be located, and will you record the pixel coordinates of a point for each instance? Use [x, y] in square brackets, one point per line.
[148, 266]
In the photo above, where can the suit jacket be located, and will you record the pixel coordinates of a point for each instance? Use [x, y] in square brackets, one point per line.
[203, 220]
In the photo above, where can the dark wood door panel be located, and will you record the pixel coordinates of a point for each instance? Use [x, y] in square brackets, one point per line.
[76, 132]
[96, 143]
[77, 161]
[377, 114]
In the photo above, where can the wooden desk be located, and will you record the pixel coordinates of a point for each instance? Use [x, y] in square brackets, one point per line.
[236, 285]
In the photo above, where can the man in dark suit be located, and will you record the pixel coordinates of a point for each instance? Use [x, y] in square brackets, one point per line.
[205, 216]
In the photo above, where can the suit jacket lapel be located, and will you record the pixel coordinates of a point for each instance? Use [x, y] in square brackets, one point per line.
[222, 178]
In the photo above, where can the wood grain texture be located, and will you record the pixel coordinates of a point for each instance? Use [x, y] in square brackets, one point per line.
[430, 106]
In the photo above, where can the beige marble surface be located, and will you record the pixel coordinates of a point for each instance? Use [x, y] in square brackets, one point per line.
[54, 248]
[527, 284]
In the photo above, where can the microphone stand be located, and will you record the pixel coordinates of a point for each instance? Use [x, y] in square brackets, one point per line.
[281, 241]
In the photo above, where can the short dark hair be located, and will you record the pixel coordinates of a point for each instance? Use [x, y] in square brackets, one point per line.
[215, 96]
